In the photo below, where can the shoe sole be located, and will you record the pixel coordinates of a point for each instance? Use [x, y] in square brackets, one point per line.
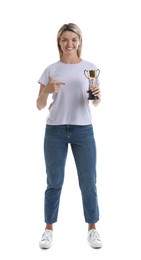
[96, 246]
[44, 247]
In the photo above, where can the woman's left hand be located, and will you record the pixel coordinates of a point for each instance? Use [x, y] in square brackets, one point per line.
[96, 90]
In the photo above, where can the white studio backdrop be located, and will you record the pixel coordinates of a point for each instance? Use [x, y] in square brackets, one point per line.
[111, 39]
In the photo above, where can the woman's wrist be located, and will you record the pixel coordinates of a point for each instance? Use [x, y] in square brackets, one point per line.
[96, 101]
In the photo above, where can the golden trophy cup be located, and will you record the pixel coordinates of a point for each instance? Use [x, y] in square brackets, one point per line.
[92, 75]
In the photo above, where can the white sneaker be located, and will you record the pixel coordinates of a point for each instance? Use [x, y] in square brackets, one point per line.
[94, 239]
[46, 239]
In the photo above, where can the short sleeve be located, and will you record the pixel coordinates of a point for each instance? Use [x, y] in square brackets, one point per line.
[44, 77]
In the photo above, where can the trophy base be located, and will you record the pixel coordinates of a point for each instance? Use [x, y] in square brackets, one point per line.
[91, 96]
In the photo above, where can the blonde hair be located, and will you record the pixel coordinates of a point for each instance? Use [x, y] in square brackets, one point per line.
[73, 28]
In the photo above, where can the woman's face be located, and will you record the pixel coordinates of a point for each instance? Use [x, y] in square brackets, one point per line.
[69, 42]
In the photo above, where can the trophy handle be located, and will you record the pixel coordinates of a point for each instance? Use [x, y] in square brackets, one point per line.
[98, 72]
[85, 73]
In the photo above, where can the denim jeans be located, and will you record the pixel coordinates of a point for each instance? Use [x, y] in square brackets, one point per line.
[56, 141]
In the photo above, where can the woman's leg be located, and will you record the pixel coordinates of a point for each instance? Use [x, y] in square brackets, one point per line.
[84, 151]
[55, 151]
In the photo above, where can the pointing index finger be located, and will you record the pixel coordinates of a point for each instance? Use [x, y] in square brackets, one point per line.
[60, 83]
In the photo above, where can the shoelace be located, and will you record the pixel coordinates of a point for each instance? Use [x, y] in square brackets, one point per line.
[45, 235]
[95, 236]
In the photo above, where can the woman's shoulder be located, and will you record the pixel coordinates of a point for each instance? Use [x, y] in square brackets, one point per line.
[52, 65]
[89, 64]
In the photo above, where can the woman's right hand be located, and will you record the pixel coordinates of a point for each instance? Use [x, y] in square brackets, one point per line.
[53, 87]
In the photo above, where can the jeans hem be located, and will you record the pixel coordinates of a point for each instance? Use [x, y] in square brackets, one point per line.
[50, 222]
[92, 222]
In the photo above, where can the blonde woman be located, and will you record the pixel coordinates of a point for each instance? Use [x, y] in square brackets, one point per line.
[69, 123]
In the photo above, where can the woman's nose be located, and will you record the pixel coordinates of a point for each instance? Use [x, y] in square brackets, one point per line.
[69, 43]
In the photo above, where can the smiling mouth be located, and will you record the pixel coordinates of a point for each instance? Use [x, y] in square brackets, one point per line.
[70, 49]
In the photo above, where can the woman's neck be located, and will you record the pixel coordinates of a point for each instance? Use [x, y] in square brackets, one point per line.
[70, 60]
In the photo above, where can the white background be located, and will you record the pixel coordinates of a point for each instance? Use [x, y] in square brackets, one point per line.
[111, 39]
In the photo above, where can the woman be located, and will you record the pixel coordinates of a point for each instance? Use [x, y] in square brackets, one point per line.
[69, 122]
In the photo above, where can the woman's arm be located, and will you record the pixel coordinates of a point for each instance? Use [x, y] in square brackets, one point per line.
[42, 97]
[51, 87]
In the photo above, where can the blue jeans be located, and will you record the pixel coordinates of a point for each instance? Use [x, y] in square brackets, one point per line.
[56, 141]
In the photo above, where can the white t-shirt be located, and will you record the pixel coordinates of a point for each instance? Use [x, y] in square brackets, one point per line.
[70, 105]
